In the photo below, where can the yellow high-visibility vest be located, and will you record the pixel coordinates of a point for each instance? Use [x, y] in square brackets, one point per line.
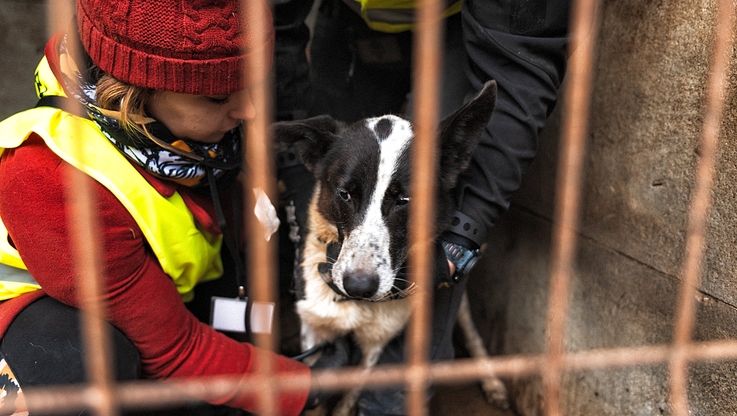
[394, 16]
[186, 253]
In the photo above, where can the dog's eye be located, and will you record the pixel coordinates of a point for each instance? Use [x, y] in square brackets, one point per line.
[402, 200]
[344, 195]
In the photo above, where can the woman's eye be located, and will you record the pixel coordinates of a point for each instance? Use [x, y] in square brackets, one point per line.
[344, 195]
[220, 100]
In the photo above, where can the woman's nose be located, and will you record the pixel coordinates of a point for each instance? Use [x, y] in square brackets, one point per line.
[243, 108]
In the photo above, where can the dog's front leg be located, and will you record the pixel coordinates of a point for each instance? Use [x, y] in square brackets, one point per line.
[309, 338]
[348, 402]
[493, 387]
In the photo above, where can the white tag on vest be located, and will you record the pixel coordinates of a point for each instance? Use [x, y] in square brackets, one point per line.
[229, 314]
[238, 315]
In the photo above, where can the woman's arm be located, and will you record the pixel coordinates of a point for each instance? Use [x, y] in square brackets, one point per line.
[140, 299]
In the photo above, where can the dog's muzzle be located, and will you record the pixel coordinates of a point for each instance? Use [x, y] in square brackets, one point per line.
[326, 272]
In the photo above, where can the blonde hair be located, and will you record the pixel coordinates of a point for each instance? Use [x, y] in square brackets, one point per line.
[129, 100]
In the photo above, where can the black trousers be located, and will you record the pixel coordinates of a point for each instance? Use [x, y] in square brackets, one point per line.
[43, 347]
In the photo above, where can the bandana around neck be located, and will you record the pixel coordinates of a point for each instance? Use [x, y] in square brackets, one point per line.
[180, 160]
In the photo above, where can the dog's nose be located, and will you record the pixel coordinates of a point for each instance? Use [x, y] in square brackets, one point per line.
[361, 285]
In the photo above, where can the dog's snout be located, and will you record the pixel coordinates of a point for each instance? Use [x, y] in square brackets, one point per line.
[361, 285]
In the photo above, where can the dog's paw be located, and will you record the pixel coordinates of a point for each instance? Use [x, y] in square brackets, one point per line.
[495, 393]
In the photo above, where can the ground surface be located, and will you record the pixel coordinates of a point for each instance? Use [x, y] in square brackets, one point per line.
[463, 400]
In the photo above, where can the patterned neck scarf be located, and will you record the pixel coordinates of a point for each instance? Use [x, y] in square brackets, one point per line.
[163, 155]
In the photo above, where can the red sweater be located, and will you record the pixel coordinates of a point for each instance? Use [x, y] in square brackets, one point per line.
[141, 299]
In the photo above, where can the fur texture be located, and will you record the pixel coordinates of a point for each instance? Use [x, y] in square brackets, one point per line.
[356, 247]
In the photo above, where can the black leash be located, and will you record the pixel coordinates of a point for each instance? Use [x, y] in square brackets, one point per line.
[310, 351]
[231, 241]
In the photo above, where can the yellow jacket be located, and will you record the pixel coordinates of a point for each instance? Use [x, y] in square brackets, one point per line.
[394, 15]
[185, 252]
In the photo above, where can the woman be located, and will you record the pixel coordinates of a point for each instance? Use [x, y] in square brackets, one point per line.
[163, 96]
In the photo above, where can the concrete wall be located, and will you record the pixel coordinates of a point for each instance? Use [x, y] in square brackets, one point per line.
[647, 112]
[22, 39]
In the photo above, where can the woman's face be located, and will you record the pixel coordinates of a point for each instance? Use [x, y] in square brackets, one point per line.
[202, 118]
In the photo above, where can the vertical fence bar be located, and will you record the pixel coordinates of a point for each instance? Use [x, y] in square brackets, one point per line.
[574, 131]
[260, 183]
[82, 214]
[426, 59]
[81, 203]
[695, 246]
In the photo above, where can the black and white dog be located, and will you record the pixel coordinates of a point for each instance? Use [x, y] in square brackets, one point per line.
[356, 247]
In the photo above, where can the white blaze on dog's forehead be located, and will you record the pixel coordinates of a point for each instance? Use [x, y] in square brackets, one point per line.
[391, 149]
[366, 248]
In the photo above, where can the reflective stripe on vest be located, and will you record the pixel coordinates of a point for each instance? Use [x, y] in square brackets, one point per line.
[186, 253]
[15, 281]
[394, 16]
[14, 278]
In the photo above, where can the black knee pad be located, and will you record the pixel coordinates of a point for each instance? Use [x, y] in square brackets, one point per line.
[43, 347]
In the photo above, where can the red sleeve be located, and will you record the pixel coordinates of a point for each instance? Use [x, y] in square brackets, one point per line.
[141, 300]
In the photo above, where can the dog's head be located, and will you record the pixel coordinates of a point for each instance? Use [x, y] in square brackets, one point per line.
[363, 189]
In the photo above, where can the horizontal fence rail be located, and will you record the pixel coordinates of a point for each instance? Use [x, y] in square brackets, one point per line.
[143, 394]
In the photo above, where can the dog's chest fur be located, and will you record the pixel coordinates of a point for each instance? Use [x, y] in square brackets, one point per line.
[360, 202]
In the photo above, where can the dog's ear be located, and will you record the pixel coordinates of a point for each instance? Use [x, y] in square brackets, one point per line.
[460, 132]
[312, 137]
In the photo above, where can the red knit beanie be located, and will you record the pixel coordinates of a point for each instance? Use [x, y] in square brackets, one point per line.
[186, 46]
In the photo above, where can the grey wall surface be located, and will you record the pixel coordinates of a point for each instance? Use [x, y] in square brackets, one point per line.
[22, 39]
[646, 120]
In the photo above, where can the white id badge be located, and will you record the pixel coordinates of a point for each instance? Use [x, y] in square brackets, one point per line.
[261, 317]
[240, 315]
[229, 314]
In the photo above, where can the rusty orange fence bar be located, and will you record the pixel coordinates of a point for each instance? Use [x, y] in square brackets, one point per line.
[583, 33]
[427, 57]
[80, 199]
[106, 397]
[700, 207]
[141, 394]
[260, 183]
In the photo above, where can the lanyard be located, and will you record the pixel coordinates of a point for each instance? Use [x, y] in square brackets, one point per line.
[231, 241]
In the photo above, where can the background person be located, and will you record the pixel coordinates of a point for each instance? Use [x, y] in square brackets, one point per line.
[360, 65]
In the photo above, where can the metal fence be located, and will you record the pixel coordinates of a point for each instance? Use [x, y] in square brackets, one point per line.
[106, 397]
